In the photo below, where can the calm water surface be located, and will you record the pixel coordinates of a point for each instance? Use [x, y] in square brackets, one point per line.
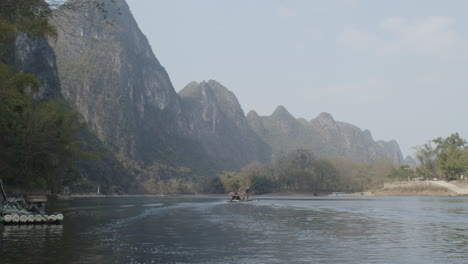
[272, 230]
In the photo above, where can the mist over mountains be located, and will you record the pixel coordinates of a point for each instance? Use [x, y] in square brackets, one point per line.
[109, 73]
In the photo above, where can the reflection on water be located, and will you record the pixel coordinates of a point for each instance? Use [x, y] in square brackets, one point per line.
[272, 230]
[38, 232]
[19, 242]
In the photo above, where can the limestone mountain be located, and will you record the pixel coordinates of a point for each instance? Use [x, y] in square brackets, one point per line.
[109, 73]
[322, 135]
[104, 67]
[217, 121]
[281, 131]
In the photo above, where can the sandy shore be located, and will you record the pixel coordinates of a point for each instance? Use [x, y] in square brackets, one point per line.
[406, 192]
[423, 188]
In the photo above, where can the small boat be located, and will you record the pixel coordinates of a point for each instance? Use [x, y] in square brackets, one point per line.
[241, 201]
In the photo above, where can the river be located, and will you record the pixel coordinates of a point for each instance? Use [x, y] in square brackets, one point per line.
[271, 230]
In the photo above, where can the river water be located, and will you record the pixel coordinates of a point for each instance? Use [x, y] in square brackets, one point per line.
[271, 230]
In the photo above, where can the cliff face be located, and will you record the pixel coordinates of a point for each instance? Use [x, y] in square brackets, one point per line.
[35, 56]
[110, 74]
[343, 139]
[217, 121]
[323, 135]
[281, 131]
[107, 71]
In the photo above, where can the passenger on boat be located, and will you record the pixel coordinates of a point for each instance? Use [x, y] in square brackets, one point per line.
[235, 197]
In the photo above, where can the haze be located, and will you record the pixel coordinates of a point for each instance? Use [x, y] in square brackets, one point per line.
[397, 68]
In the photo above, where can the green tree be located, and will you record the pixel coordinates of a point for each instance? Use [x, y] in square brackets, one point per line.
[427, 158]
[28, 16]
[216, 186]
[295, 171]
[327, 177]
[232, 181]
[36, 139]
[262, 185]
[402, 173]
[37, 148]
[450, 156]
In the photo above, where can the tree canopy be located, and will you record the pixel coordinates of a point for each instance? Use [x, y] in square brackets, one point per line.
[301, 172]
[447, 158]
[37, 146]
[28, 16]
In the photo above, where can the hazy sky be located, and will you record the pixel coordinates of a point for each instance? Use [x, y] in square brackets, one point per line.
[397, 68]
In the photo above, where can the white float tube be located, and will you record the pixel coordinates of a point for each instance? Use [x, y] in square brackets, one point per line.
[52, 218]
[7, 218]
[43, 219]
[23, 219]
[31, 218]
[37, 218]
[16, 218]
[59, 217]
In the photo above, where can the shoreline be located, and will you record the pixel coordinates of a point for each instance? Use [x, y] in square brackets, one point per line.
[416, 188]
[377, 193]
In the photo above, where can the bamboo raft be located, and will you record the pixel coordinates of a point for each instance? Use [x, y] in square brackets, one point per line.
[28, 210]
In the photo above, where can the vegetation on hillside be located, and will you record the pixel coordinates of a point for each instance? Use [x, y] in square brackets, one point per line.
[301, 172]
[37, 148]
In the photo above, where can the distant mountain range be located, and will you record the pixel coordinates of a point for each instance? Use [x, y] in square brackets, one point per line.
[108, 72]
[323, 135]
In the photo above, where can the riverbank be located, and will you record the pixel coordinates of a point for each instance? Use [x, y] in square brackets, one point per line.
[415, 188]
[420, 188]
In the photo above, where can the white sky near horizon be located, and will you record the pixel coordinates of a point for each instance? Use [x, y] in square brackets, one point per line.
[398, 68]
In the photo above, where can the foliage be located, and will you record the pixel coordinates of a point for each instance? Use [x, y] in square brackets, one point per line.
[300, 171]
[402, 173]
[36, 139]
[294, 171]
[355, 176]
[426, 156]
[448, 158]
[37, 149]
[156, 178]
[231, 181]
[261, 185]
[216, 186]
[28, 16]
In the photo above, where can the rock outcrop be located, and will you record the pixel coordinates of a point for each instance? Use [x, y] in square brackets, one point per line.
[35, 56]
[322, 135]
[110, 75]
[217, 121]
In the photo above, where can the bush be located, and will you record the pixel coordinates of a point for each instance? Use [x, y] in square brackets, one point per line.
[261, 185]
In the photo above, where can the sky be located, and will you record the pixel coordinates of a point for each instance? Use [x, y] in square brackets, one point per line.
[398, 68]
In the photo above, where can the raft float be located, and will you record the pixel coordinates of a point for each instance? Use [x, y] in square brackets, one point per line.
[28, 210]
